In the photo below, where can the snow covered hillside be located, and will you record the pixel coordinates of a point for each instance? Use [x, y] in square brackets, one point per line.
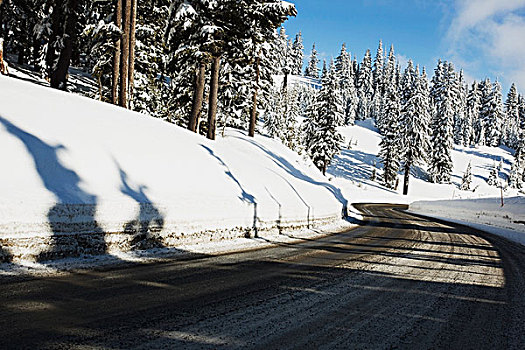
[353, 168]
[352, 171]
[115, 179]
[483, 213]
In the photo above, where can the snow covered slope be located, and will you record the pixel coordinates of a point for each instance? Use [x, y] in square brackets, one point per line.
[353, 168]
[116, 179]
[482, 213]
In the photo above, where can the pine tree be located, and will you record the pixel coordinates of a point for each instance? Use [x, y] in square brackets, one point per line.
[389, 78]
[515, 177]
[365, 89]
[461, 122]
[495, 118]
[292, 136]
[326, 141]
[345, 75]
[512, 118]
[493, 176]
[373, 176]
[414, 124]
[445, 99]
[312, 70]
[466, 181]
[282, 53]
[273, 118]
[390, 143]
[297, 54]
[378, 70]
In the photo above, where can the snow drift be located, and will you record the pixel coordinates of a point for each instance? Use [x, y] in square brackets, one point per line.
[484, 213]
[83, 177]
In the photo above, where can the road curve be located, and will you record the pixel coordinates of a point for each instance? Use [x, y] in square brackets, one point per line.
[398, 281]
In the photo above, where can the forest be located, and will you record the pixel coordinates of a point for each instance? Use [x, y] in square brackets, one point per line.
[207, 64]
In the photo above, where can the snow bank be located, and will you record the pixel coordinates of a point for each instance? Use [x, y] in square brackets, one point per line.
[486, 214]
[80, 176]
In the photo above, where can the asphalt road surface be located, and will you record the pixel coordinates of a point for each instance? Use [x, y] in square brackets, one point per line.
[400, 281]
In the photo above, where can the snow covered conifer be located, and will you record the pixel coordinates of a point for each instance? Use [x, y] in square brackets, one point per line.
[512, 127]
[346, 76]
[312, 70]
[515, 177]
[495, 118]
[517, 173]
[325, 140]
[389, 77]
[378, 70]
[442, 124]
[390, 143]
[461, 122]
[493, 176]
[466, 181]
[365, 87]
[297, 55]
[414, 126]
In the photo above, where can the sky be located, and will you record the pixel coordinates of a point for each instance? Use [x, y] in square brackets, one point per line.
[485, 38]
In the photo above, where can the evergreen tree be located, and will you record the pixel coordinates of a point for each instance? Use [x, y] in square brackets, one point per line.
[445, 98]
[365, 89]
[512, 118]
[466, 181]
[414, 124]
[389, 78]
[461, 121]
[390, 144]
[326, 141]
[346, 77]
[493, 176]
[293, 111]
[471, 134]
[495, 117]
[297, 55]
[312, 70]
[378, 70]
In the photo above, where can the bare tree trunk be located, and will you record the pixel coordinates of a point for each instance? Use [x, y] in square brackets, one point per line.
[253, 116]
[58, 77]
[124, 58]
[214, 90]
[116, 57]
[198, 97]
[132, 43]
[407, 177]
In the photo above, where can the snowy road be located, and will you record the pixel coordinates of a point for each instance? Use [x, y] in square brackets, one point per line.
[398, 282]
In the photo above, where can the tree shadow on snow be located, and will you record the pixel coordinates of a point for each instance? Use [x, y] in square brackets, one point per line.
[149, 220]
[75, 208]
[292, 170]
[357, 166]
[245, 196]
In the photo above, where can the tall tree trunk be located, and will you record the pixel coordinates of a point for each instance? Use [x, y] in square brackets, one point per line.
[253, 116]
[198, 97]
[214, 90]
[58, 76]
[21, 55]
[407, 177]
[124, 55]
[116, 57]
[132, 44]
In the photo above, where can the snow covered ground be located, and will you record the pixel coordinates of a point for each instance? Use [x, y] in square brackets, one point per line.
[90, 177]
[118, 180]
[486, 214]
[480, 206]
